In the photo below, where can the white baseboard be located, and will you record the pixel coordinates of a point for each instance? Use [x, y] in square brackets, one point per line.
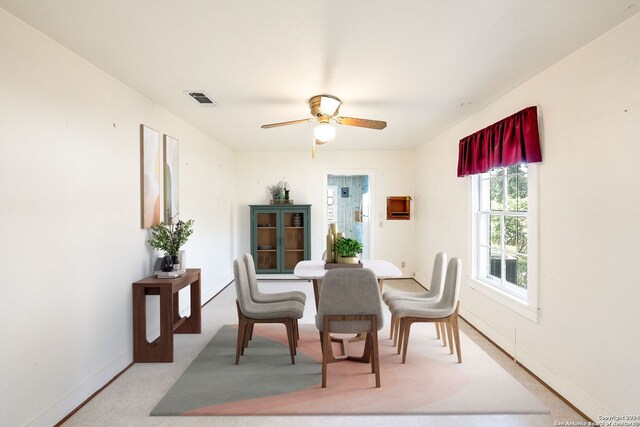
[422, 280]
[214, 291]
[561, 385]
[56, 412]
[75, 398]
[504, 343]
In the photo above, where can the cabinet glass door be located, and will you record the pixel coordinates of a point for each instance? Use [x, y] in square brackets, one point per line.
[293, 238]
[279, 237]
[266, 241]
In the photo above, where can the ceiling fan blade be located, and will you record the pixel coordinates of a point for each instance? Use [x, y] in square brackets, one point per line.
[363, 123]
[293, 122]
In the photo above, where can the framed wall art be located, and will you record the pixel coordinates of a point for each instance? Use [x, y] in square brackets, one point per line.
[171, 163]
[150, 170]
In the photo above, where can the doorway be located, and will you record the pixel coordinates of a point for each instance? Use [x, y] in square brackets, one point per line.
[347, 203]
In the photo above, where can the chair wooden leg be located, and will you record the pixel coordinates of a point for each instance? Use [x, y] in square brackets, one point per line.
[443, 333]
[375, 357]
[366, 354]
[405, 338]
[456, 335]
[396, 332]
[297, 331]
[240, 339]
[369, 344]
[250, 334]
[448, 326]
[392, 326]
[248, 328]
[399, 334]
[294, 336]
[437, 330]
[291, 338]
[326, 349]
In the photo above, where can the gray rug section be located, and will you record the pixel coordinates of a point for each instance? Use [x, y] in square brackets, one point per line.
[213, 378]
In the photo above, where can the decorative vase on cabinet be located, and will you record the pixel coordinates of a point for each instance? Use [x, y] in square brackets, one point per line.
[280, 236]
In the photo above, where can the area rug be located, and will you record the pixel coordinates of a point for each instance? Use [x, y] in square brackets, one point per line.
[266, 383]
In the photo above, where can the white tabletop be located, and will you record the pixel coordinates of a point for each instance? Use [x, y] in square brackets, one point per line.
[315, 269]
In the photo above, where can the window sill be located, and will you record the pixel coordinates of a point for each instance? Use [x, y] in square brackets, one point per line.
[505, 299]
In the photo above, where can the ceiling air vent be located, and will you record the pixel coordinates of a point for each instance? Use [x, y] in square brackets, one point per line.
[202, 98]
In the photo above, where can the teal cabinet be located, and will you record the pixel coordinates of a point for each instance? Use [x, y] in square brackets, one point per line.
[280, 236]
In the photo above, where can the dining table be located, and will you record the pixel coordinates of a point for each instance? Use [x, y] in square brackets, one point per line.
[315, 271]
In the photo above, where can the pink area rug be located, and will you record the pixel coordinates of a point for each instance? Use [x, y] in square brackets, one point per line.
[265, 383]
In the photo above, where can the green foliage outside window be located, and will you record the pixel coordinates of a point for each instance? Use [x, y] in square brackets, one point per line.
[515, 227]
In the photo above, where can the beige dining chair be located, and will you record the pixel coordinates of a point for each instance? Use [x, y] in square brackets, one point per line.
[350, 303]
[444, 311]
[250, 313]
[260, 297]
[433, 294]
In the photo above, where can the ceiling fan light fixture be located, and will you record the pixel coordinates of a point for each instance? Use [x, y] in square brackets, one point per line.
[329, 105]
[324, 132]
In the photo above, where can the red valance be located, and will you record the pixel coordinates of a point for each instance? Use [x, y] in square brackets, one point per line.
[510, 141]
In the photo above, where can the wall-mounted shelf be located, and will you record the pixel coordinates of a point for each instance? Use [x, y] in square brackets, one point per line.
[399, 207]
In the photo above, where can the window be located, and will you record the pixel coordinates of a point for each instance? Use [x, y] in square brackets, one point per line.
[504, 245]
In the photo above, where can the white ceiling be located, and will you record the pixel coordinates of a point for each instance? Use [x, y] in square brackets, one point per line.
[421, 65]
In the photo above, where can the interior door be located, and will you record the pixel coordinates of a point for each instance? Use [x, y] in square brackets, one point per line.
[347, 202]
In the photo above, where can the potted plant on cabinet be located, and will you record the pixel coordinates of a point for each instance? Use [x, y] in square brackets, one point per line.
[348, 250]
[277, 192]
[169, 238]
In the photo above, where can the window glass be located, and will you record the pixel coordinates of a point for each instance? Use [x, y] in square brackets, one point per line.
[521, 271]
[502, 228]
[517, 190]
[495, 264]
[494, 232]
[515, 234]
[497, 193]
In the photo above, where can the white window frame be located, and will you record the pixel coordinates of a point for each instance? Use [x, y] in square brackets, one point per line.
[522, 302]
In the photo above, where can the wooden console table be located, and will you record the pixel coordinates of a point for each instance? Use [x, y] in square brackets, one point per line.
[161, 349]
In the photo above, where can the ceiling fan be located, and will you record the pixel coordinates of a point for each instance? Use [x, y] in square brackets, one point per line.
[324, 108]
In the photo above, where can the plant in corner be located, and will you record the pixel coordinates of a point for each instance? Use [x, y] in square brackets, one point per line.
[169, 238]
[347, 250]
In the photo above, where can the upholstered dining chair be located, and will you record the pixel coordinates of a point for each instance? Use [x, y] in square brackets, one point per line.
[433, 294]
[350, 303]
[250, 312]
[261, 297]
[444, 311]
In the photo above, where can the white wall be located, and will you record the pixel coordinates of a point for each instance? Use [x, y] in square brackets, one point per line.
[393, 172]
[70, 215]
[587, 341]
